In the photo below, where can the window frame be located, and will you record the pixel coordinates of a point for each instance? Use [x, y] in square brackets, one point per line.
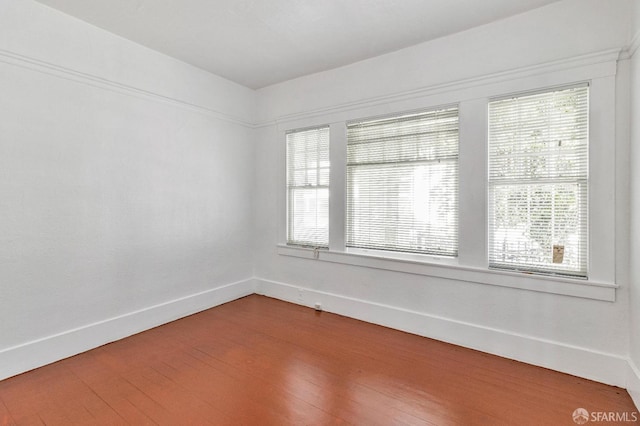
[540, 270]
[472, 97]
[389, 251]
[289, 239]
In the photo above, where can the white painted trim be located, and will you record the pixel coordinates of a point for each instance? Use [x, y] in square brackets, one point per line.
[65, 73]
[633, 46]
[633, 383]
[540, 283]
[583, 362]
[602, 367]
[597, 58]
[471, 266]
[34, 354]
[599, 64]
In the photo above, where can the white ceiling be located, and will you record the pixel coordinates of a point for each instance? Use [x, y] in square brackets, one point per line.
[261, 42]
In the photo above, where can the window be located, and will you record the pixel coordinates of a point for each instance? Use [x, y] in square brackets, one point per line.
[532, 171]
[538, 169]
[402, 183]
[308, 187]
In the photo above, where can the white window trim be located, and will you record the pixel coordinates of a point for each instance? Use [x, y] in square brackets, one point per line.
[472, 262]
[541, 283]
[498, 183]
[290, 240]
[450, 111]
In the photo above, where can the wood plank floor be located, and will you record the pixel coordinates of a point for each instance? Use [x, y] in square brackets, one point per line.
[259, 361]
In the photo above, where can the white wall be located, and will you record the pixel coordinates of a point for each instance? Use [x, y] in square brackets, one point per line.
[126, 191]
[634, 331]
[558, 31]
[573, 334]
[125, 187]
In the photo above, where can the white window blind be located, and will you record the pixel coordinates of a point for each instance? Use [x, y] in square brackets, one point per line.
[538, 170]
[402, 183]
[308, 187]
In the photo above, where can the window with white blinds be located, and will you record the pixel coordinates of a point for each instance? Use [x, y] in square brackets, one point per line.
[402, 183]
[308, 187]
[538, 182]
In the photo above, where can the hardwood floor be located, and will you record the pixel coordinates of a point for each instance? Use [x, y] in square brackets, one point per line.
[259, 361]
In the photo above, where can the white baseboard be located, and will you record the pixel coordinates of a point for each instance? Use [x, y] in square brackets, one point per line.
[30, 355]
[602, 367]
[599, 366]
[633, 383]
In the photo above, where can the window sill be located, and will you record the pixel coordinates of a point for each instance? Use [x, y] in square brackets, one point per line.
[524, 281]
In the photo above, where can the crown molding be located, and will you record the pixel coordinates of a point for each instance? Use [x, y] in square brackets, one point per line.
[70, 74]
[34, 64]
[610, 56]
[633, 46]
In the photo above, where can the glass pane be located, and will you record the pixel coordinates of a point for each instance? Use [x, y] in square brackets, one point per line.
[402, 183]
[538, 173]
[307, 169]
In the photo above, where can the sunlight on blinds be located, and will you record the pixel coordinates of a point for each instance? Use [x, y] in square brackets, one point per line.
[402, 183]
[538, 170]
[308, 187]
